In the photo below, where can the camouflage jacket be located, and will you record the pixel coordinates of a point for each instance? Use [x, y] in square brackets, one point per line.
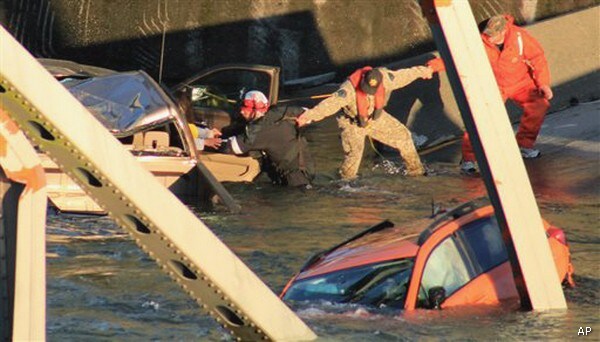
[345, 97]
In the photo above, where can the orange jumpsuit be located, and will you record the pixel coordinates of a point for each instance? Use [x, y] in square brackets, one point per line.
[520, 69]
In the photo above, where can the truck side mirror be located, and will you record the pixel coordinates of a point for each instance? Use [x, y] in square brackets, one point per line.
[437, 295]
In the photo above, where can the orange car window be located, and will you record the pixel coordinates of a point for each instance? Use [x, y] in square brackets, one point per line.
[474, 249]
[445, 268]
[484, 243]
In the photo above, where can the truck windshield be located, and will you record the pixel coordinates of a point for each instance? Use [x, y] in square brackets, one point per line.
[382, 284]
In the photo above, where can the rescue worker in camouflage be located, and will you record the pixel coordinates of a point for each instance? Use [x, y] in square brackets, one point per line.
[362, 99]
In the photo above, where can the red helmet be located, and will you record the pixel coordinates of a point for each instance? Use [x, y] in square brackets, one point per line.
[254, 101]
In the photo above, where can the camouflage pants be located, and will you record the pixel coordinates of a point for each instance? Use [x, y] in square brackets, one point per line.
[387, 130]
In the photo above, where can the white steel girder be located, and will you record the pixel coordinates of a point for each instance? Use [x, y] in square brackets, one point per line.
[484, 114]
[158, 222]
[21, 164]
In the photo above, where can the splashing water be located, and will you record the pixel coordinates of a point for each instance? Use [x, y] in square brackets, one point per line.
[390, 167]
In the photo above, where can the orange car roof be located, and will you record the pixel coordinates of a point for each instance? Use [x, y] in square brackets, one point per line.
[383, 242]
[389, 243]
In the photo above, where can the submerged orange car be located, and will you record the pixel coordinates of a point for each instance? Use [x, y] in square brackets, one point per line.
[458, 259]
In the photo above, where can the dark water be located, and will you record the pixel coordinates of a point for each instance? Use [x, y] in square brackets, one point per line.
[102, 287]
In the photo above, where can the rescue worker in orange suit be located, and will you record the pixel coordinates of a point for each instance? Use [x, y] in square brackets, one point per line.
[522, 74]
[362, 98]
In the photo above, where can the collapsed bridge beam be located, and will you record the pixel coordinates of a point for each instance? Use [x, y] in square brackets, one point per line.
[158, 222]
[23, 202]
[503, 171]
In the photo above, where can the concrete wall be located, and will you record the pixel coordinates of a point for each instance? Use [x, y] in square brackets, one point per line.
[305, 37]
[572, 47]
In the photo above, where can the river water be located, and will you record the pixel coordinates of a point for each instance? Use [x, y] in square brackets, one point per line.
[102, 287]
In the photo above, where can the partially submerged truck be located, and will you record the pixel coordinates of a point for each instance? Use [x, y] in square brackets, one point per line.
[146, 119]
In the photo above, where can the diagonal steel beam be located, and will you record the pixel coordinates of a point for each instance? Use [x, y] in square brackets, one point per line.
[158, 222]
[486, 120]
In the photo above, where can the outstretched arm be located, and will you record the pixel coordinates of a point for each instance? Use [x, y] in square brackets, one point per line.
[403, 77]
[205, 133]
[239, 144]
[329, 106]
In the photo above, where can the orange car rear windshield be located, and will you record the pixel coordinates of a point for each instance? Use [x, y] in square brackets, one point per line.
[381, 284]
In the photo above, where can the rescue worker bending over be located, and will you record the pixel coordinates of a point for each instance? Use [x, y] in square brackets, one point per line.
[272, 132]
[363, 98]
[522, 74]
